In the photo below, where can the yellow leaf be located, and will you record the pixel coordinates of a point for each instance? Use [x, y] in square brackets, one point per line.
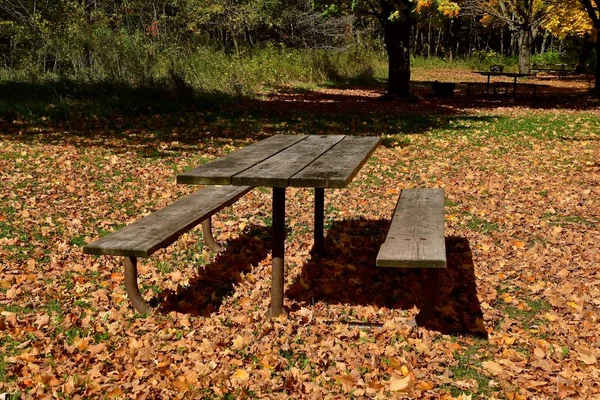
[241, 375]
[550, 317]
[509, 340]
[404, 370]
[572, 304]
[398, 384]
[239, 342]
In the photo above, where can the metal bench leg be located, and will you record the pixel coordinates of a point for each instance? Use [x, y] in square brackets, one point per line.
[131, 286]
[209, 239]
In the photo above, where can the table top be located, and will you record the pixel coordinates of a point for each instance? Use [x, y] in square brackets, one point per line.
[509, 74]
[320, 161]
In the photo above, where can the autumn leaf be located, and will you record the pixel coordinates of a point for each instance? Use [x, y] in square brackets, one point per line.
[587, 359]
[399, 384]
[241, 375]
[493, 367]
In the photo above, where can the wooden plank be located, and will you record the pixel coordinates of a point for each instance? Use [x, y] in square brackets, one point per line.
[416, 235]
[337, 167]
[220, 171]
[277, 170]
[163, 227]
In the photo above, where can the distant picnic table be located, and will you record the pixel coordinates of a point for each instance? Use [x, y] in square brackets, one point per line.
[490, 74]
[559, 69]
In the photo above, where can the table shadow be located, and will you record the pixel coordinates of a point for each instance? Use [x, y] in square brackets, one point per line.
[347, 275]
[206, 289]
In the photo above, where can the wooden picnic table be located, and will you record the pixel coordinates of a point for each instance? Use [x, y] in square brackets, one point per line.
[489, 74]
[320, 162]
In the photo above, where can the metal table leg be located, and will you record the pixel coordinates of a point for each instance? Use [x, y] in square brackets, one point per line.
[277, 273]
[319, 217]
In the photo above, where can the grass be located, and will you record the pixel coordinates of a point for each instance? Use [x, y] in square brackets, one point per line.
[469, 367]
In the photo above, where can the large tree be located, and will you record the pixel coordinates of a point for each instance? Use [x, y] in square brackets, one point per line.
[396, 18]
[592, 7]
[578, 18]
[523, 17]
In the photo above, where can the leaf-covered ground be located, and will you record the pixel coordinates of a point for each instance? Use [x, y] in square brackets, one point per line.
[517, 317]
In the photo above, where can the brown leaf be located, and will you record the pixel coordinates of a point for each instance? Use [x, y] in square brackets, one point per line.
[493, 367]
[399, 384]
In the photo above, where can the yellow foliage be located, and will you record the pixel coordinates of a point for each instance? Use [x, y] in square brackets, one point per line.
[447, 7]
[568, 18]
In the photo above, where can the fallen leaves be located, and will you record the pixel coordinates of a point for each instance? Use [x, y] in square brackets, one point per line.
[517, 313]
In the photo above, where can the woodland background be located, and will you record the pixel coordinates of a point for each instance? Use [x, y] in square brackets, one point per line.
[238, 46]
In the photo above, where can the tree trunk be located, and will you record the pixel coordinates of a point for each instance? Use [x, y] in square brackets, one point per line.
[584, 53]
[525, 39]
[397, 44]
[544, 41]
[87, 48]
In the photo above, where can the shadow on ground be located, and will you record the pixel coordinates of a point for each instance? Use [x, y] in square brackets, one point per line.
[347, 275]
[146, 121]
[207, 288]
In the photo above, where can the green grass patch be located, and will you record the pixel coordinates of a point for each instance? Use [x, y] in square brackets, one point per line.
[529, 312]
[564, 220]
[481, 225]
[469, 367]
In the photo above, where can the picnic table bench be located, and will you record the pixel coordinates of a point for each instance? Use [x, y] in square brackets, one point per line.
[163, 227]
[415, 239]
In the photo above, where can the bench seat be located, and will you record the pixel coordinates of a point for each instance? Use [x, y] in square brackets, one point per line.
[415, 239]
[161, 228]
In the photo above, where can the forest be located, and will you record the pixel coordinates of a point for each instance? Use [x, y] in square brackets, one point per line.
[226, 44]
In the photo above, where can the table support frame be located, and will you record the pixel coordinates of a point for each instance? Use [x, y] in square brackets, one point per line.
[319, 221]
[277, 272]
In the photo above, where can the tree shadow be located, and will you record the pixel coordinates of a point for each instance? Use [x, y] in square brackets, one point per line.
[144, 119]
[348, 276]
[212, 283]
[154, 123]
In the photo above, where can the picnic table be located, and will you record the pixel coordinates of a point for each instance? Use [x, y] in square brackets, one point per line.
[489, 74]
[560, 69]
[281, 161]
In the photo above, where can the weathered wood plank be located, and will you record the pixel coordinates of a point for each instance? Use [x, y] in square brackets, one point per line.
[416, 235]
[220, 171]
[277, 170]
[337, 167]
[163, 227]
